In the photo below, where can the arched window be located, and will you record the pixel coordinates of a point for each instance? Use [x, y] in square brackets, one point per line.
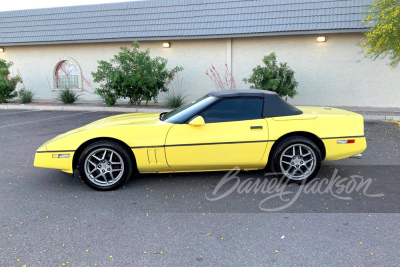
[67, 74]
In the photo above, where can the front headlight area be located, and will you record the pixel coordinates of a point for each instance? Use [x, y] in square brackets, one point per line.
[42, 148]
[61, 160]
[54, 155]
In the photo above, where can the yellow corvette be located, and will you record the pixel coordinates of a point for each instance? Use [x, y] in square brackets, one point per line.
[251, 129]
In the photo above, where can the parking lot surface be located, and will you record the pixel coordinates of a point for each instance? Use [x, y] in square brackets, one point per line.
[348, 217]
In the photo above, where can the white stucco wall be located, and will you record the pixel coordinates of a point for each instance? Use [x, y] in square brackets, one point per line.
[37, 63]
[333, 73]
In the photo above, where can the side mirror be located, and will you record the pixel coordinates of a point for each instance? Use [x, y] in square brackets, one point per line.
[162, 115]
[198, 121]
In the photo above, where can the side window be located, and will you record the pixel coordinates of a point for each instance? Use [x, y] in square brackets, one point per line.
[234, 109]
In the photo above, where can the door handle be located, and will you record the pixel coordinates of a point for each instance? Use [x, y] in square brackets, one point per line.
[255, 127]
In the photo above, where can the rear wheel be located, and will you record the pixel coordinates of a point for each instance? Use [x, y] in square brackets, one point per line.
[105, 165]
[297, 158]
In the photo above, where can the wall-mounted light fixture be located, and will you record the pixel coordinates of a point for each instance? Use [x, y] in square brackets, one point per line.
[166, 44]
[321, 39]
[1, 50]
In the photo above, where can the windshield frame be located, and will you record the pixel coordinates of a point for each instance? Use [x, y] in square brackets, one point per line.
[183, 114]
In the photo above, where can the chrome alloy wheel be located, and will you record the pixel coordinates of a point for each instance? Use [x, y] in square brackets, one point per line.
[104, 167]
[297, 161]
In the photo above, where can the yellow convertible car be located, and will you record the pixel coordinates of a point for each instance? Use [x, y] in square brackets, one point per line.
[251, 129]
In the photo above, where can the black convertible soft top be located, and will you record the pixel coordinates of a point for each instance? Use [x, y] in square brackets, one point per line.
[274, 105]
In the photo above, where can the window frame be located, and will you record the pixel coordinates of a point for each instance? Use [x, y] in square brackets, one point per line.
[57, 67]
[225, 98]
[191, 116]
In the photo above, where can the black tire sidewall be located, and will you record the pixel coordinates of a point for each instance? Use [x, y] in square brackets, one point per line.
[275, 164]
[128, 166]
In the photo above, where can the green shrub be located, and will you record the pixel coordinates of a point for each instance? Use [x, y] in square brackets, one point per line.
[134, 74]
[7, 83]
[26, 96]
[108, 96]
[279, 79]
[175, 99]
[110, 100]
[68, 96]
[382, 38]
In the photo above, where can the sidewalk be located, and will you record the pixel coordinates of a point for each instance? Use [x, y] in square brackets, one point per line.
[369, 113]
[86, 105]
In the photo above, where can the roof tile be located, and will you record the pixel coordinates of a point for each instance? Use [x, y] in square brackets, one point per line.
[178, 18]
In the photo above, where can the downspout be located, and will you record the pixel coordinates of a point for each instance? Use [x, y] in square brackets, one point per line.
[229, 57]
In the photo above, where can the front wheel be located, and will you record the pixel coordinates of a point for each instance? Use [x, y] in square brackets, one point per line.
[297, 158]
[105, 165]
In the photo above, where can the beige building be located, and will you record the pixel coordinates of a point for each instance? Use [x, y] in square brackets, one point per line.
[204, 33]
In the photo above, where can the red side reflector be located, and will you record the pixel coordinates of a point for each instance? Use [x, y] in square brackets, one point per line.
[352, 141]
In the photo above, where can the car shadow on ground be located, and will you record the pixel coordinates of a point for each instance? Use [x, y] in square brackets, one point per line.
[339, 188]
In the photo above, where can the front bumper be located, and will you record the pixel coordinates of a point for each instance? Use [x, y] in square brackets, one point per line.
[46, 160]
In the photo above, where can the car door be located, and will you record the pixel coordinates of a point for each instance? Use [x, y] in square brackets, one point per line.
[234, 134]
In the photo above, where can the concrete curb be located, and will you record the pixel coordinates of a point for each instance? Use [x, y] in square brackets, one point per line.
[144, 110]
[380, 118]
[83, 108]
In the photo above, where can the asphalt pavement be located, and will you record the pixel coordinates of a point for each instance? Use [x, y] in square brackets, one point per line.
[348, 216]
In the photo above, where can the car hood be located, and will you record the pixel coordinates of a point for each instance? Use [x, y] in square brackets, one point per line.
[130, 119]
[126, 119]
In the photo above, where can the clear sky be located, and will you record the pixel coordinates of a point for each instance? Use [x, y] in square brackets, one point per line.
[7, 5]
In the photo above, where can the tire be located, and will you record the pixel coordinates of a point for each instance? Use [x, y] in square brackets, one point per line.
[105, 165]
[296, 158]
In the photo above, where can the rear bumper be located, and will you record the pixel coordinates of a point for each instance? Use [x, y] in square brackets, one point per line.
[46, 160]
[335, 151]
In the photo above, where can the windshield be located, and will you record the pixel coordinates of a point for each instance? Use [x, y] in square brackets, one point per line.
[184, 113]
